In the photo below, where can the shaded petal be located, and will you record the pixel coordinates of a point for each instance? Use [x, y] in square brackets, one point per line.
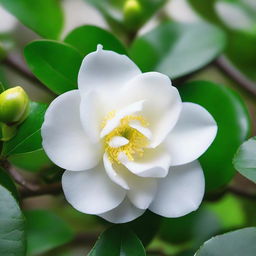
[181, 192]
[113, 174]
[91, 191]
[154, 163]
[64, 139]
[162, 102]
[123, 213]
[192, 135]
[105, 70]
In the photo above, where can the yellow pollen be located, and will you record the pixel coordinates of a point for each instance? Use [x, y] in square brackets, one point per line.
[137, 141]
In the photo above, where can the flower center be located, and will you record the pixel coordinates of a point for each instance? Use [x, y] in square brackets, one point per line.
[135, 140]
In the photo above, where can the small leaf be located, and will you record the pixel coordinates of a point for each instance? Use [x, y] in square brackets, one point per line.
[231, 115]
[55, 64]
[177, 49]
[45, 17]
[236, 243]
[245, 159]
[12, 223]
[28, 137]
[86, 39]
[46, 231]
[118, 241]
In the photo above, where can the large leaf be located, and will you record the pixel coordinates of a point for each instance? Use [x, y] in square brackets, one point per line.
[12, 225]
[245, 159]
[233, 122]
[236, 243]
[55, 64]
[45, 231]
[28, 137]
[45, 17]
[118, 241]
[86, 39]
[177, 49]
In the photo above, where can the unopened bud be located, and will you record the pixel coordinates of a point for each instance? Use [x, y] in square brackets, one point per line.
[14, 106]
[132, 14]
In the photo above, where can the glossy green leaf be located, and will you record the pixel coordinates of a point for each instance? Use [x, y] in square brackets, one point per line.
[45, 17]
[245, 159]
[12, 225]
[34, 161]
[236, 243]
[113, 11]
[55, 64]
[7, 182]
[28, 137]
[118, 241]
[177, 49]
[233, 122]
[45, 231]
[146, 226]
[86, 39]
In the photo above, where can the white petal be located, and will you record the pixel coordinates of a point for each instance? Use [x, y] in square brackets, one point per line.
[115, 121]
[118, 141]
[153, 163]
[162, 102]
[192, 135]
[105, 70]
[91, 191]
[113, 174]
[181, 192]
[64, 139]
[123, 213]
[142, 190]
[143, 130]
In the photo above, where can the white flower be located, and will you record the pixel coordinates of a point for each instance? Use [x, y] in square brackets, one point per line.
[127, 141]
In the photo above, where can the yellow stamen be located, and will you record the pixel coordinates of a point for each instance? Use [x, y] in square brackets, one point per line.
[137, 141]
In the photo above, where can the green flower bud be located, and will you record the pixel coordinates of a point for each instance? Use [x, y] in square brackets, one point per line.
[132, 14]
[14, 106]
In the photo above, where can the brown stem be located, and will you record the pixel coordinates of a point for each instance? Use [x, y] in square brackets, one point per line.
[241, 193]
[29, 188]
[226, 67]
[157, 252]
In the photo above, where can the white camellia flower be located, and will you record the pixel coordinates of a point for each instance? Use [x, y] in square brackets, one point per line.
[127, 141]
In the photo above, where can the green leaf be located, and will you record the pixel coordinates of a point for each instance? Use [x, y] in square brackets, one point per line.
[190, 227]
[118, 241]
[28, 137]
[45, 17]
[34, 161]
[7, 182]
[236, 243]
[245, 159]
[146, 226]
[177, 49]
[86, 38]
[45, 231]
[55, 64]
[12, 223]
[231, 115]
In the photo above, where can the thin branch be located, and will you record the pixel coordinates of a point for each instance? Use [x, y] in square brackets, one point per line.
[157, 252]
[227, 68]
[241, 193]
[14, 64]
[29, 188]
